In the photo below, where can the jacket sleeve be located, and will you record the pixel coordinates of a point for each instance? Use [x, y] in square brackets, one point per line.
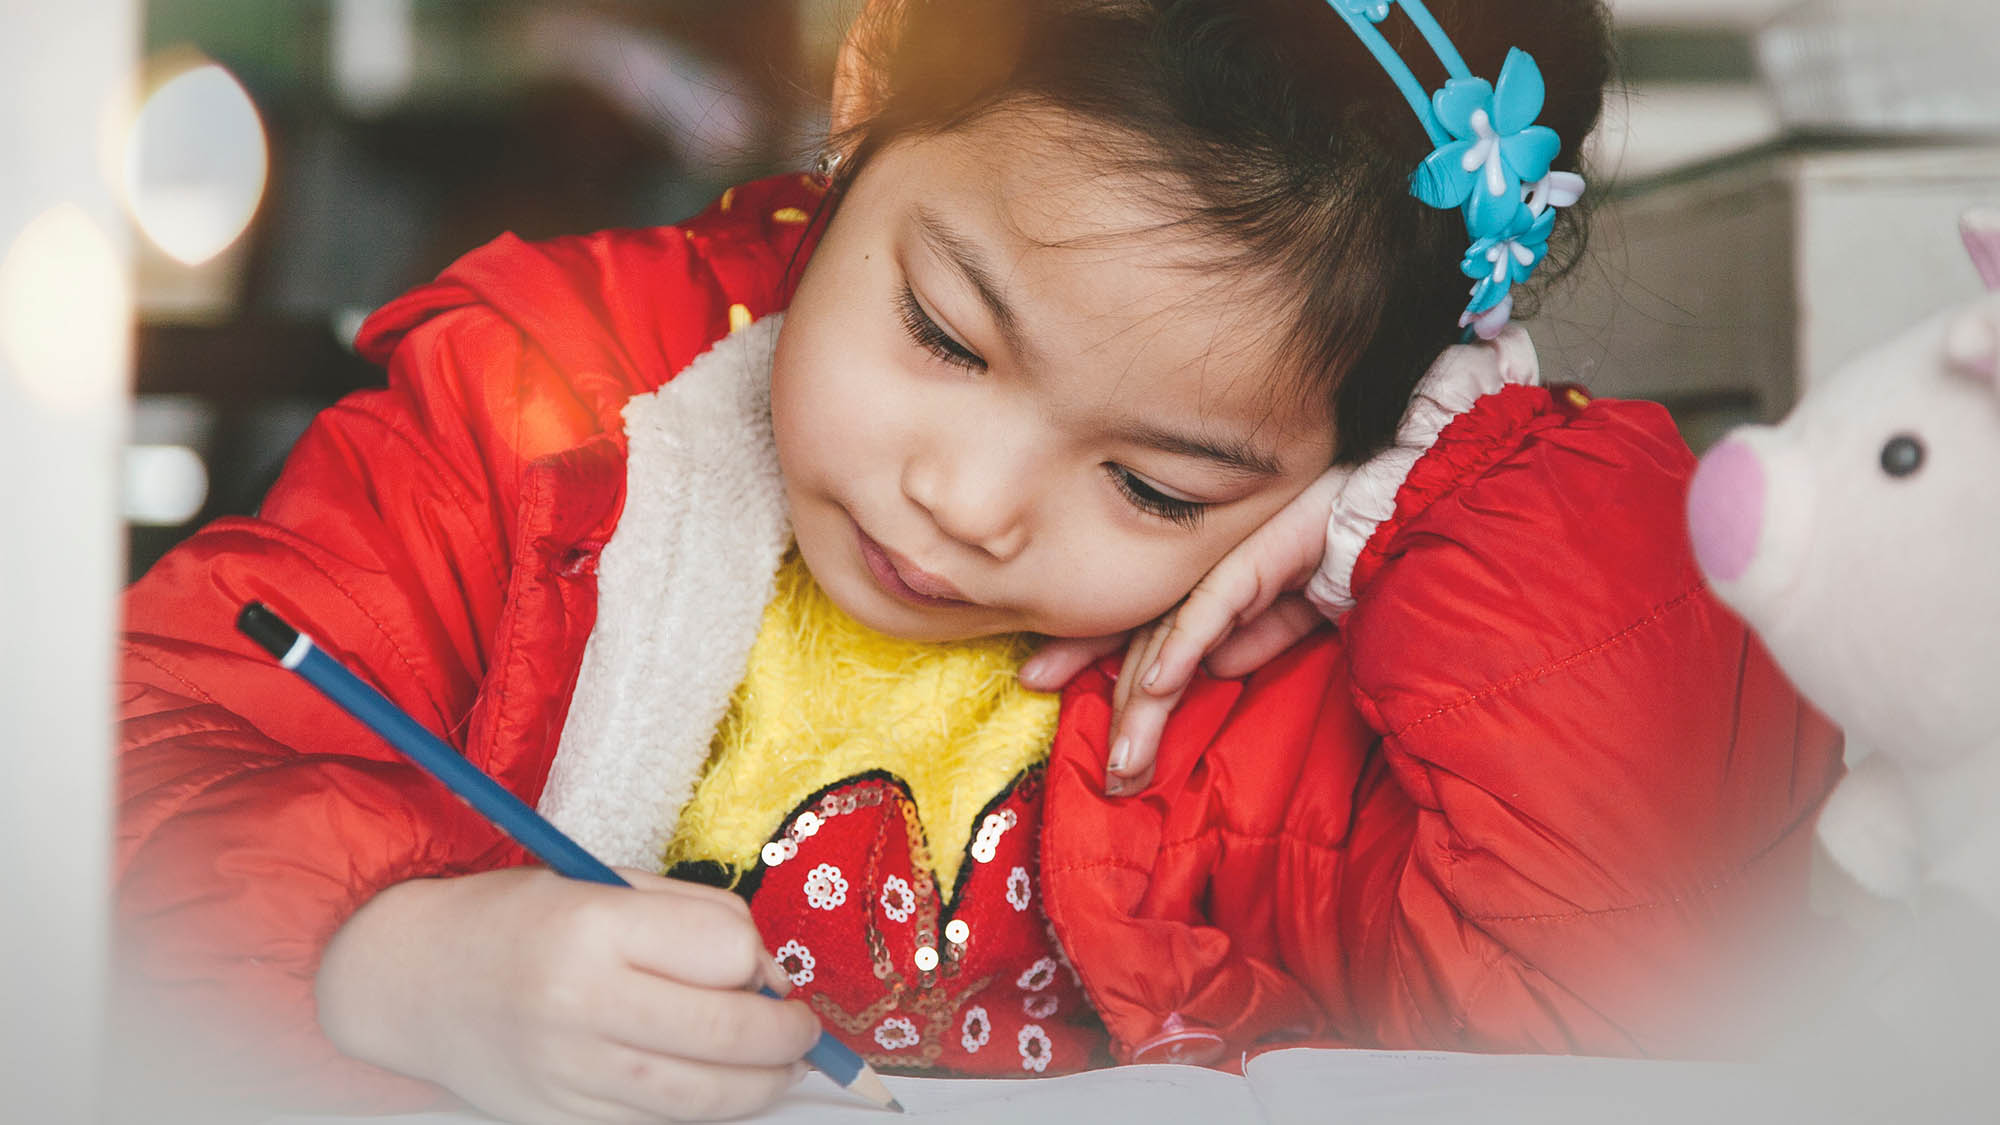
[255, 817]
[1548, 796]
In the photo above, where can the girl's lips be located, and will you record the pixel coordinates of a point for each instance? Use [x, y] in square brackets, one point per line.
[903, 579]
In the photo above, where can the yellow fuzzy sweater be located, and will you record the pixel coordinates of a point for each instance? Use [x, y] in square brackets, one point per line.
[826, 698]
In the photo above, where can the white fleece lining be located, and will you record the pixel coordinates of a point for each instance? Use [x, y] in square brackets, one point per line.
[1461, 376]
[681, 591]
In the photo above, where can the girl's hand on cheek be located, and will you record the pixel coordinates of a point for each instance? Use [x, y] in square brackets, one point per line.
[542, 999]
[1242, 614]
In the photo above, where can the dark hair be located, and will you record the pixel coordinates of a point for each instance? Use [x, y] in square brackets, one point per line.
[1271, 126]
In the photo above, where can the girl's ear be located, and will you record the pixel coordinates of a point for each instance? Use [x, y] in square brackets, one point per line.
[859, 85]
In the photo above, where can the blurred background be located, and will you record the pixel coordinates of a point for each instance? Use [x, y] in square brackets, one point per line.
[1780, 184]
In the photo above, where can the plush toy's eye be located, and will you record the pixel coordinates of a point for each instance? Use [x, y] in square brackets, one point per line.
[1903, 456]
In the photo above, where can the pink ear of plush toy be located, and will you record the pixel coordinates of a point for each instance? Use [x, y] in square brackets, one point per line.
[1981, 230]
[1972, 345]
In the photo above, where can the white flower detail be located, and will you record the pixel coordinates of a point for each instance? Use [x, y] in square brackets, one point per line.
[898, 900]
[1040, 1005]
[1557, 189]
[1039, 975]
[1017, 888]
[797, 962]
[1484, 155]
[826, 887]
[1035, 1048]
[976, 1029]
[896, 1033]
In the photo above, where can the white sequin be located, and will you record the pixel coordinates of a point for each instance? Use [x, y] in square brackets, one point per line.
[1018, 888]
[797, 962]
[956, 930]
[826, 887]
[898, 900]
[774, 854]
[927, 959]
[896, 1033]
[976, 1030]
[1039, 975]
[1035, 1047]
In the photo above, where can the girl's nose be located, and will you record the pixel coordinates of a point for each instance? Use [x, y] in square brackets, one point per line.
[972, 495]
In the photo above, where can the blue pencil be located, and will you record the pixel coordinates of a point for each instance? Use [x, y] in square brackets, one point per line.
[297, 652]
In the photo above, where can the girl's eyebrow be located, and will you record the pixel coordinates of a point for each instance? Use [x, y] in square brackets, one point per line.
[960, 253]
[1231, 453]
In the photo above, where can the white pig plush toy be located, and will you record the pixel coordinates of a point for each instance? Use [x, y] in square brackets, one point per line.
[1861, 538]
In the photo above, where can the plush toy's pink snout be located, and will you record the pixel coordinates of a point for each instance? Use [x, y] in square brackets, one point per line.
[1726, 510]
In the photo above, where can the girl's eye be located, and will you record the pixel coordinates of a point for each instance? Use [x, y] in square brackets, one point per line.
[928, 336]
[1153, 502]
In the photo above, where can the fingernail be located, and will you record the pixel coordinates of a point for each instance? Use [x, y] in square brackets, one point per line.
[1119, 754]
[1152, 679]
[1035, 668]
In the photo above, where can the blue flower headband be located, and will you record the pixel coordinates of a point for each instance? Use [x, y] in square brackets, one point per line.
[1492, 160]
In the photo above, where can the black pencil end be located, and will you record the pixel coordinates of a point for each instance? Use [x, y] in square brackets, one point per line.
[257, 622]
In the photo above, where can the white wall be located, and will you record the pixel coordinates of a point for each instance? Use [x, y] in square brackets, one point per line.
[1713, 13]
[64, 344]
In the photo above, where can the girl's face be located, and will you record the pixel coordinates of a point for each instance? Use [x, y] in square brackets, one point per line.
[1006, 399]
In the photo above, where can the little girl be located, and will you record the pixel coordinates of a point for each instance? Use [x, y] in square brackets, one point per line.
[724, 543]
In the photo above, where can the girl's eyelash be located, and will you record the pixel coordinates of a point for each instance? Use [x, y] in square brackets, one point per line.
[928, 336]
[1153, 502]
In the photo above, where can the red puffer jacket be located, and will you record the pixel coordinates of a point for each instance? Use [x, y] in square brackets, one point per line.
[1537, 792]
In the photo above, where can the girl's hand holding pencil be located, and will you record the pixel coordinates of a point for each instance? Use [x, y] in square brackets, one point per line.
[555, 995]
[543, 999]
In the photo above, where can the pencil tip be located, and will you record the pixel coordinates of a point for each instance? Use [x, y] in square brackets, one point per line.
[869, 1085]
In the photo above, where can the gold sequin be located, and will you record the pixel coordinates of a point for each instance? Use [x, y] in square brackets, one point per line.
[728, 199]
[1578, 399]
[740, 318]
[790, 215]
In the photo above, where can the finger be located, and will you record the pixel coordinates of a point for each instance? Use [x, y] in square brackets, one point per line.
[1258, 641]
[662, 1087]
[649, 881]
[1229, 595]
[1062, 658]
[697, 939]
[1138, 741]
[1137, 717]
[770, 975]
[724, 1026]
[1137, 650]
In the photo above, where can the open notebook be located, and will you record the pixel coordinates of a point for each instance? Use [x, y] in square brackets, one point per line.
[1293, 1087]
